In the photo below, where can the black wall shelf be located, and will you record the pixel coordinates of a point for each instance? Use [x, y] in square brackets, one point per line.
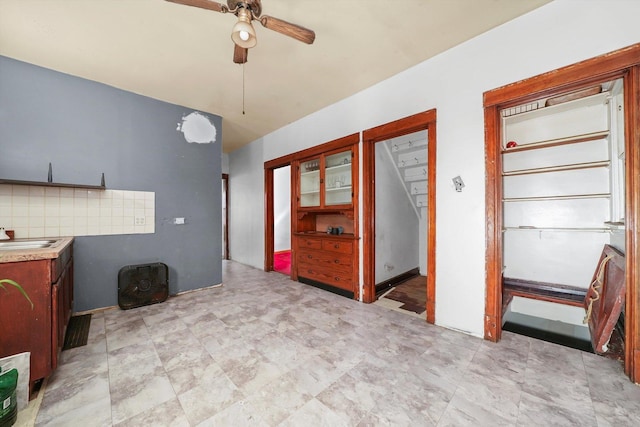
[52, 184]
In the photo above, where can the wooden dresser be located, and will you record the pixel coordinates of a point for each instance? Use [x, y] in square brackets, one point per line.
[324, 259]
[325, 182]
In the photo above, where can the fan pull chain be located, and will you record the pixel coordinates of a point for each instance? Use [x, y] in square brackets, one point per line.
[243, 87]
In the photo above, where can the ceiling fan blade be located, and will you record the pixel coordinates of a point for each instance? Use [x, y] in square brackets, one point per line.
[288, 29]
[240, 54]
[204, 4]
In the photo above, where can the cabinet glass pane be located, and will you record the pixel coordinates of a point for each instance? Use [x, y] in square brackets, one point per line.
[310, 183]
[337, 180]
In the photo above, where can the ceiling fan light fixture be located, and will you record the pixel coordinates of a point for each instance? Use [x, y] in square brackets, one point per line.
[243, 33]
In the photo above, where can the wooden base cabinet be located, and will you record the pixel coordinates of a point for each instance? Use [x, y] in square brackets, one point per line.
[327, 260]
[40, 331]
[326, 202]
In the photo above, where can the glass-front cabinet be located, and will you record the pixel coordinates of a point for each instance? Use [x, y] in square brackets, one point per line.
[326, 180]
[310, 183]
[337, 179]
[325, 242]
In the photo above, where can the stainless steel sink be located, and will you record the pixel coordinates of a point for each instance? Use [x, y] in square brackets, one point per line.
[15, 245]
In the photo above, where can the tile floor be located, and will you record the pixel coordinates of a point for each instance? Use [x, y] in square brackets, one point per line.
[265, 351]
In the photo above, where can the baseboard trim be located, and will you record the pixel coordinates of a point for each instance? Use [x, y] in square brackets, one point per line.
[326, 287]
[382, 287]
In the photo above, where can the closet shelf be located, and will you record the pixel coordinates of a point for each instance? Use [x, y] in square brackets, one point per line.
[343, 188]
[578, 229]
[342, 167]
[559, 141]
[569, 197]
[559, 168]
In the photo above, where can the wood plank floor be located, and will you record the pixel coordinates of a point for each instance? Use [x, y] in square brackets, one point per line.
[412, 294]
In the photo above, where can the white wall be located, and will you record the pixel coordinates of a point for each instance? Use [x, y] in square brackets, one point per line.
[225, 163]
[397, 225]
[282, 209]
[246, 205]
[560, 33]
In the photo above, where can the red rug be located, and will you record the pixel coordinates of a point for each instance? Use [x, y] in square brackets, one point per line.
[282, 262]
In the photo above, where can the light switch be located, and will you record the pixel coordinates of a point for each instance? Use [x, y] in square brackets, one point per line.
[178, 221]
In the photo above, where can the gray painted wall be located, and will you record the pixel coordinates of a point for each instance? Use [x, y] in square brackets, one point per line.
[85, 128]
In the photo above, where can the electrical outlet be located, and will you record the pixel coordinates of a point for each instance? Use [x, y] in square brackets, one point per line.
[140, 220]
[178, 221]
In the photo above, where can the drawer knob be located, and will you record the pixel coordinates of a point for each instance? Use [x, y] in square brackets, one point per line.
[309, 256]
[337, 261]
[337, 246]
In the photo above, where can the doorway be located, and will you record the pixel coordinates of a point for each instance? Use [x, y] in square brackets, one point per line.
[400, 226]
[623, 65]
[403, 131]
[277, 171]
[282, 220]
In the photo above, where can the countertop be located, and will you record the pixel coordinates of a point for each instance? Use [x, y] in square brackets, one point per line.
[325, 234]
[17, 255]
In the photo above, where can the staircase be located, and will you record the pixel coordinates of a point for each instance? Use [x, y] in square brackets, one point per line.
[409, 155]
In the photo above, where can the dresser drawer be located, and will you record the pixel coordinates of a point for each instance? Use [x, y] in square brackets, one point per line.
[309, 243]
[342, 246]
[325, 260]
[332, 277]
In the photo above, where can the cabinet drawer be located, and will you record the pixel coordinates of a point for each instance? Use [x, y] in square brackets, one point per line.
[342, 246]
[325, 260]
[310, 243]
[331, 277]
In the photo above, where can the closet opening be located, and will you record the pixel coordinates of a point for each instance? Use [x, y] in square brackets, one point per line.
[562, 157]
[563, 204]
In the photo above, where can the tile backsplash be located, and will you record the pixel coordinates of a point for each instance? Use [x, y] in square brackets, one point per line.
[38, 211]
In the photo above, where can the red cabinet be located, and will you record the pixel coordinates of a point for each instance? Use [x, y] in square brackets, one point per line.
[49, 284]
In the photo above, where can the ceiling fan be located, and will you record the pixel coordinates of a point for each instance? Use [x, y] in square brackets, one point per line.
[243, 34]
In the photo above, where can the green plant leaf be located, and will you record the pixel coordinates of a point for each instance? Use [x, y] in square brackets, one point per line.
[17, 286]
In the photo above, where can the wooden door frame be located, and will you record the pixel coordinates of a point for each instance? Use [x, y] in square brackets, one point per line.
[225, 180]
[269, 225]
[417, 122]
[623, 63]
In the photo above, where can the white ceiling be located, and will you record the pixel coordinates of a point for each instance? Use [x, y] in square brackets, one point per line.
[183, 55]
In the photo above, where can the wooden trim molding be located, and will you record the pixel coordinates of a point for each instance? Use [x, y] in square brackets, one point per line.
[268, 219]
[421, 121]
[632, 216]
[623, 63]
[225, 181]
[493, 197]
[572, 77]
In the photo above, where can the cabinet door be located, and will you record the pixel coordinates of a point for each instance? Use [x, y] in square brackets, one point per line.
[57, 334]
[310, 183]
[337, 181]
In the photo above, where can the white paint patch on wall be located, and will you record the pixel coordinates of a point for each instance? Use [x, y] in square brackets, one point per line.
[197, 128]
